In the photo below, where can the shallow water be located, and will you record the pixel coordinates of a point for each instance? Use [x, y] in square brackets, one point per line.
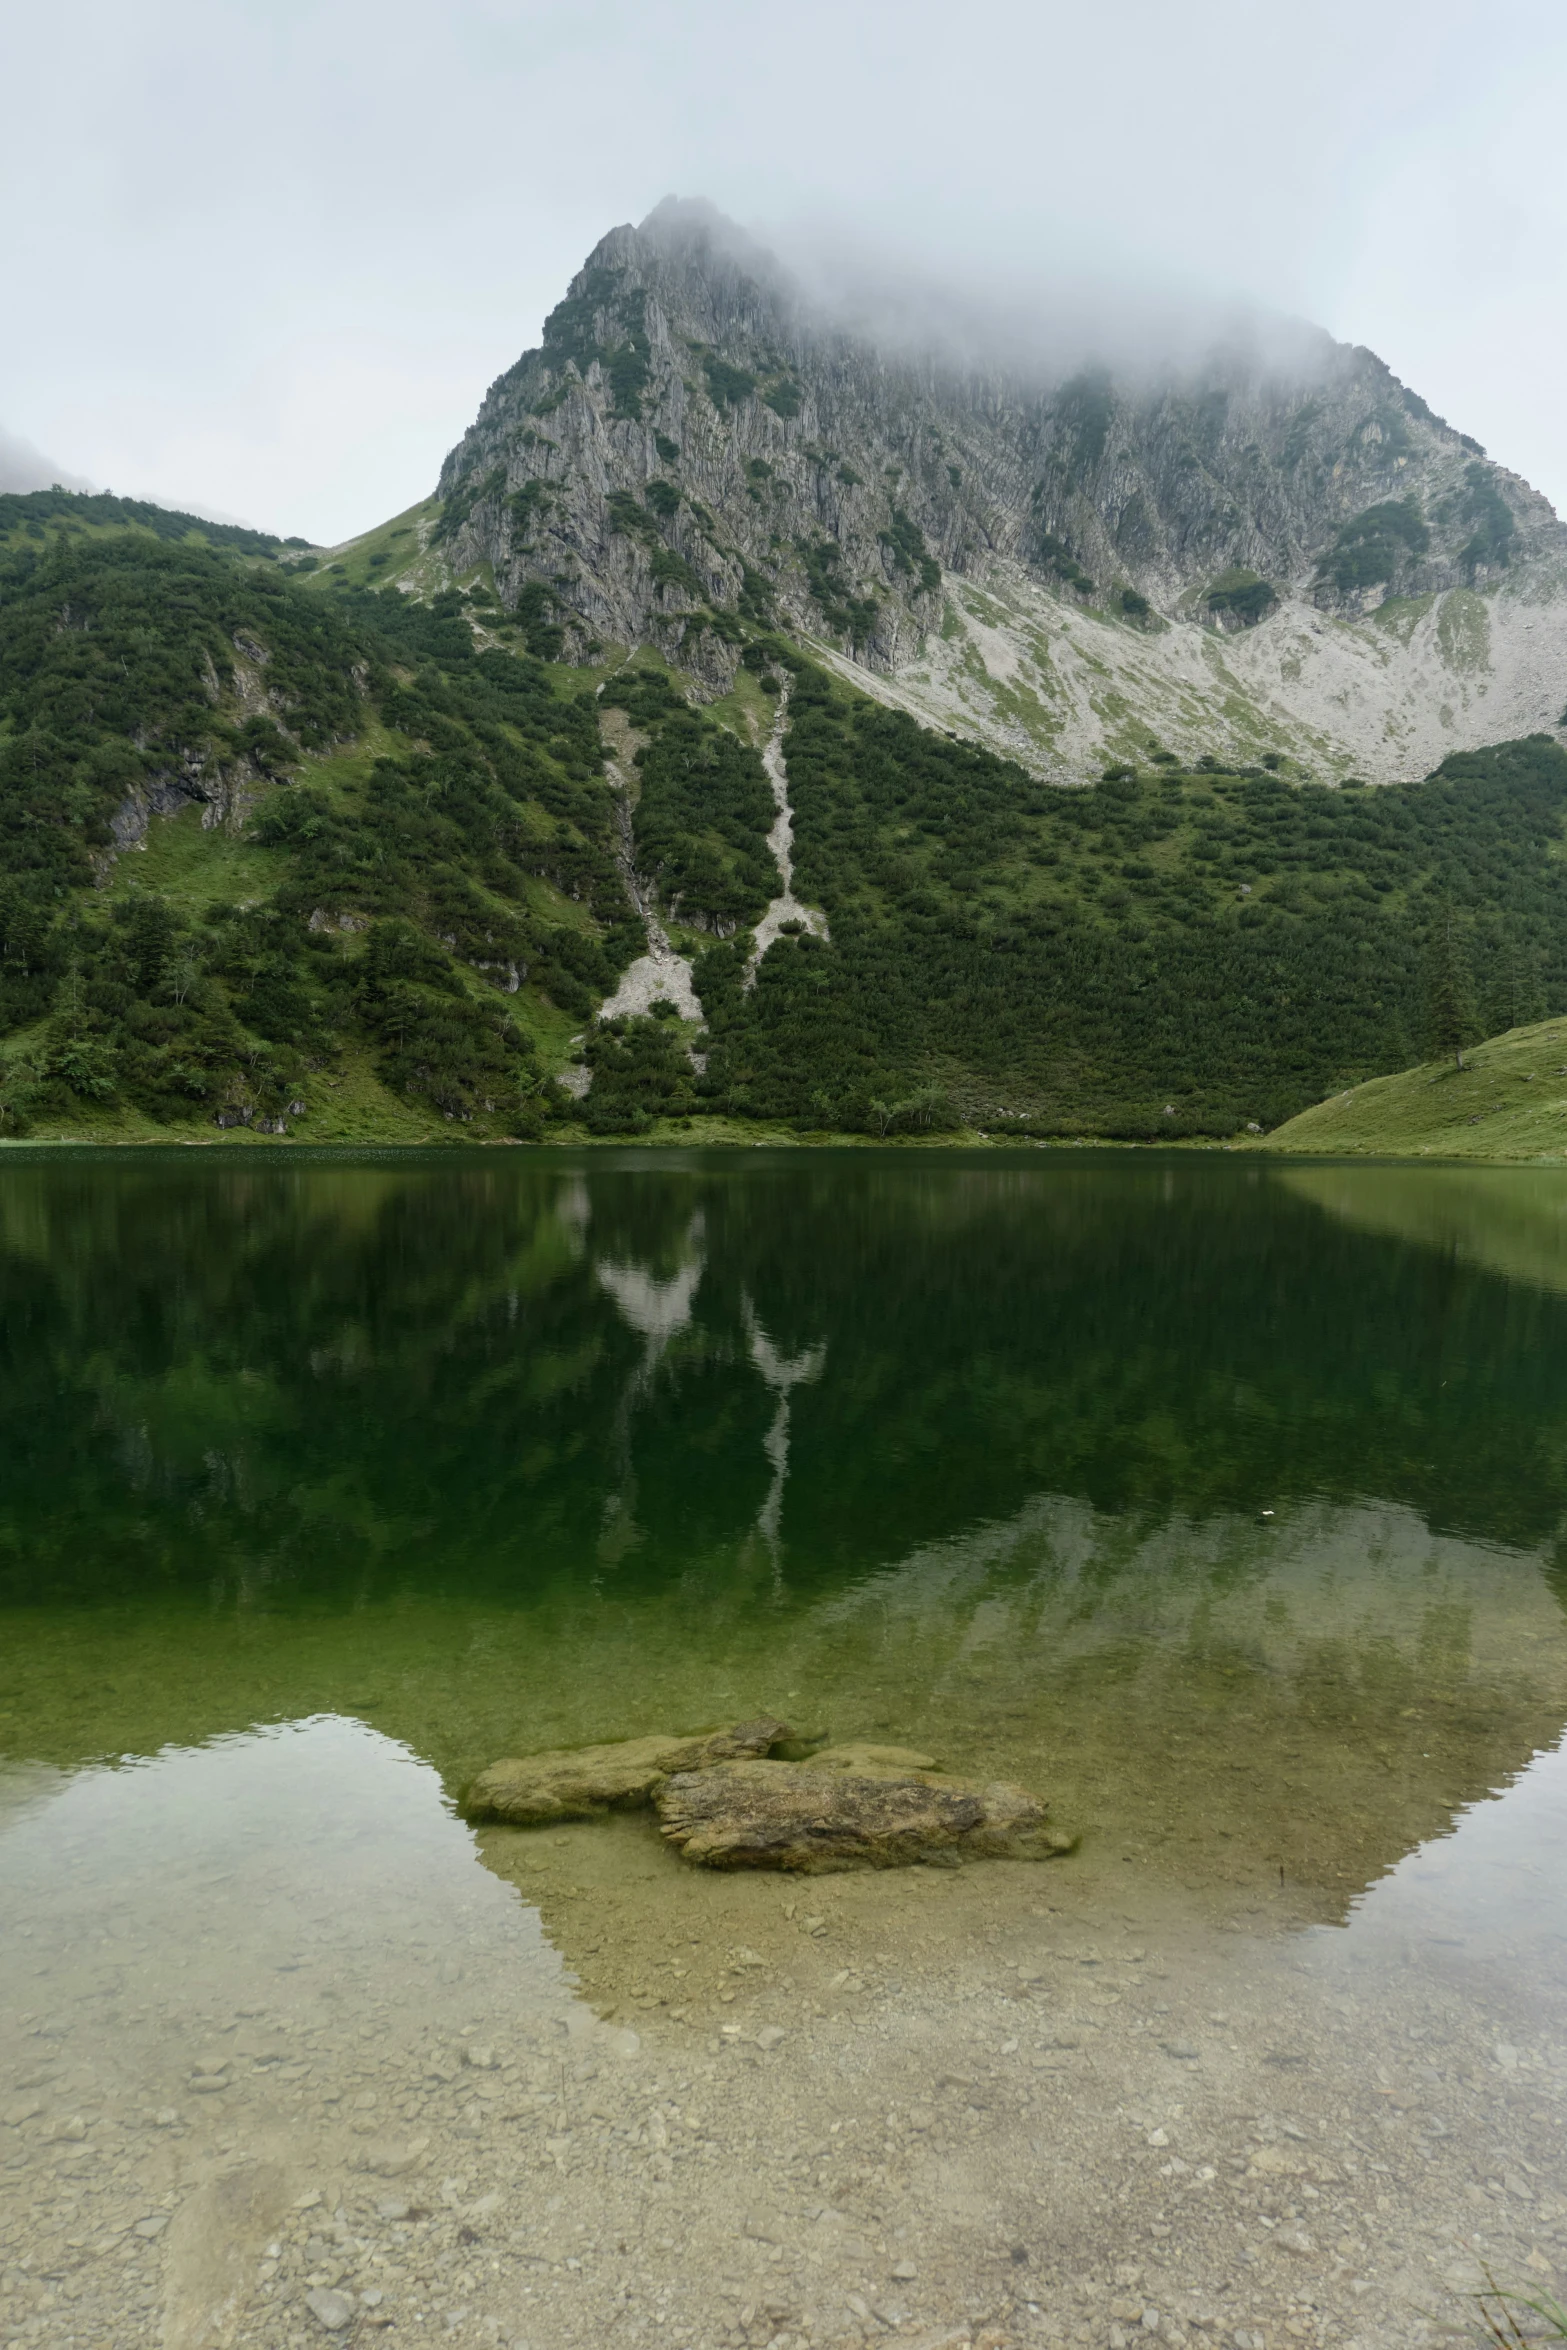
[1221, 1502]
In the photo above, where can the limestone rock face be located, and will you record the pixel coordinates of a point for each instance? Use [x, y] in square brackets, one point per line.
[1271, 542]
[577, 1783]
[800, 1817]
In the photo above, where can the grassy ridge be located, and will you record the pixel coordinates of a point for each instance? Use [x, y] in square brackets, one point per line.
[1509, 1101]
[38, 516]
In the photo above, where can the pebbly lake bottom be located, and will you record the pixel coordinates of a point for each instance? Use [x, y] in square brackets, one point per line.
[282, 2061]
[1144, 1486]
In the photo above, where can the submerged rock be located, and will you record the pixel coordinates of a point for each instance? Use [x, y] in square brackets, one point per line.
[798, 1816]
[332, 2310]
[578, 1783]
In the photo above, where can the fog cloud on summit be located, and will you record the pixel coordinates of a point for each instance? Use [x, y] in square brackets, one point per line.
[1037, 322]
[22, 467]
[263, 256]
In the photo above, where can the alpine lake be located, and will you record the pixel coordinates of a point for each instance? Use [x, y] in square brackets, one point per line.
[1220, 1500]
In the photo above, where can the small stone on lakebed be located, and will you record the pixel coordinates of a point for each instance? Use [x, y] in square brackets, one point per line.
[332, 2310]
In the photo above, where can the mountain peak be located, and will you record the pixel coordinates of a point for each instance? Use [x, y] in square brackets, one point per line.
[698, 450]
[677, 221]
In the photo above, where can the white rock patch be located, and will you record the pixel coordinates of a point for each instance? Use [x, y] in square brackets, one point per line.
[786, 907]
[661, 975]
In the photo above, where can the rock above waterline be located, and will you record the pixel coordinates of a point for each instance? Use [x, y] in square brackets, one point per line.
[797, 1816]
[871, 1762]
[581, 1782]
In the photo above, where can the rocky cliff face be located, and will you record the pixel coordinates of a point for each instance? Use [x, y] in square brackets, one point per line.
[1252, 554]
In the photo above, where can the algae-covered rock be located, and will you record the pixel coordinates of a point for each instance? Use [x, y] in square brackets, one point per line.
[579, 1783]
[797, 1816]
[871, 1762]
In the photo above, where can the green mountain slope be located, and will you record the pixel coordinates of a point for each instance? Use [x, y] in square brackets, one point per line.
[1161, 953]
[38, 517]
[252, 850]
[283, 851]
[1508, 1101]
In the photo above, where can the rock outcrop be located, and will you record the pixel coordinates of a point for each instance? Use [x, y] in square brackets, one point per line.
[810, 1819]
[580, 1783]
[697, 451]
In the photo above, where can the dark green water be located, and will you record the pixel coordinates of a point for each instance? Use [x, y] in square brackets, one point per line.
[501, 1453]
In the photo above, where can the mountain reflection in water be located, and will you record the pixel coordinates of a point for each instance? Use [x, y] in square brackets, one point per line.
[973, 1451]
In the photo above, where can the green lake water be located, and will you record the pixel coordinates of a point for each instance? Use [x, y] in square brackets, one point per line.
[1222, 1501]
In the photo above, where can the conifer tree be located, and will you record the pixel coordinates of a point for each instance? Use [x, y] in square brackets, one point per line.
[1450, 1000]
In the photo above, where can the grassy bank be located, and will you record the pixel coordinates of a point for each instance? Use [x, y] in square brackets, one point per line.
[1508, 1101]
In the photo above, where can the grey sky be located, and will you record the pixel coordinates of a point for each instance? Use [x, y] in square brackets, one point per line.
[265, 255]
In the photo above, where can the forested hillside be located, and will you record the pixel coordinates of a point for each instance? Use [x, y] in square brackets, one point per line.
[1160, 953]
[32, 517]
[382, 837]
[282, 853]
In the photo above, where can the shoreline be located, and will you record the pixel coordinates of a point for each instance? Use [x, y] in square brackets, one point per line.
[722, 1136]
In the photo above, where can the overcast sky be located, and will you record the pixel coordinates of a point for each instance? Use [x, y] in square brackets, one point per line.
[265, 255]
